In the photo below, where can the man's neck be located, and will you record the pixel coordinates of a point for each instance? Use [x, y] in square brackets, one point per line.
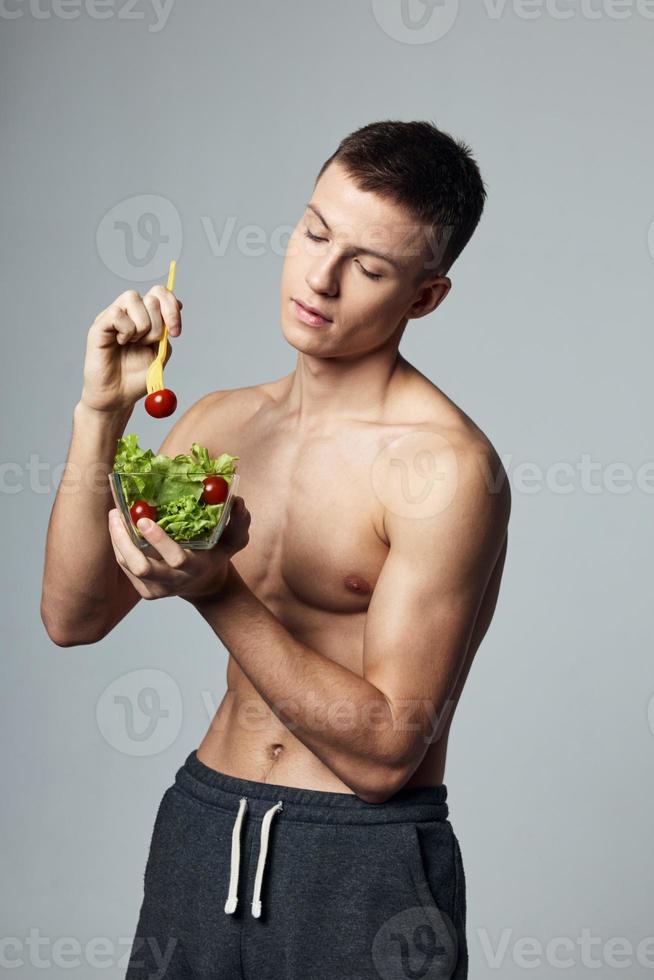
[325, 389]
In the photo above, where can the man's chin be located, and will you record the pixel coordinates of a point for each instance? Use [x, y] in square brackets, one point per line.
[306, 341]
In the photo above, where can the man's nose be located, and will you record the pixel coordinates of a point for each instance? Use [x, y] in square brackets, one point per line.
[323, 278]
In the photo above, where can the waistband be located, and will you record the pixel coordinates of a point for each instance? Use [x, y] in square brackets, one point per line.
[415, 804]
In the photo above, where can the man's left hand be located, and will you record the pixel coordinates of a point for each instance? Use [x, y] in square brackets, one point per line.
[189, 574]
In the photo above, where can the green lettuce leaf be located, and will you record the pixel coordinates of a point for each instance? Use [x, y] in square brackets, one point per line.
[173, 485]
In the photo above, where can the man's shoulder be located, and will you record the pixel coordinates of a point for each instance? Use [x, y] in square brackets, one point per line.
[247, 399]
[425, 401]
[441, 430]
[480, 472]
[218, 415]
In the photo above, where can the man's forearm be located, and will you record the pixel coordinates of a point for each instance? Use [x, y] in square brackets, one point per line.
[80, 565]
[344, 720]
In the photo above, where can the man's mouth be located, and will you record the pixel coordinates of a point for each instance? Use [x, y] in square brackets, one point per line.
[310, 314]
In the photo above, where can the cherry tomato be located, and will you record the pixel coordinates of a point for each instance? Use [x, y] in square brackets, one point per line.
[141, 508]
[215, 490]
[161, 403]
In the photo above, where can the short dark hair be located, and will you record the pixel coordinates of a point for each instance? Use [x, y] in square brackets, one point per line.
[431, 174]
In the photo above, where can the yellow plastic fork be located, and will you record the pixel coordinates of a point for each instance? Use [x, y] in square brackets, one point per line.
[154, 378]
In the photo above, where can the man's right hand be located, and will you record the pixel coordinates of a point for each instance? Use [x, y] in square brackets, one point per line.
[119, 347]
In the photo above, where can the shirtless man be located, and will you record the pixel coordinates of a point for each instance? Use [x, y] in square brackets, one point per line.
[352, 593]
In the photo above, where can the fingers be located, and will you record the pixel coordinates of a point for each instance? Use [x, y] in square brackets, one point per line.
[170, 308]
[236, 534]
[155, 332]
[128, 555]
[124, 320]
[114, 325]
[132, 318]
[172, 553]
[131, 302]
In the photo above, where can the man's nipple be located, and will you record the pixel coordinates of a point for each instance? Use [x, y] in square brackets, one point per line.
[356, 583]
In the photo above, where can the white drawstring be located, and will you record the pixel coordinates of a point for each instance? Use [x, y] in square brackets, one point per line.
[232, 898]
[263, 850]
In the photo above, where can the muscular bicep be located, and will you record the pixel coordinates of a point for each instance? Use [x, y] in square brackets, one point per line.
[423, 610]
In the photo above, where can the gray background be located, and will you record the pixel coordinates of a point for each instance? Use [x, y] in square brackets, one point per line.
[227, 111]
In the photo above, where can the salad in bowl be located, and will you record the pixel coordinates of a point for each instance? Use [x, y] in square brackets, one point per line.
[189, 496]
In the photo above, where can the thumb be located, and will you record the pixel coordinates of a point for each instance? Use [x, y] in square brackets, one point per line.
[236, 534]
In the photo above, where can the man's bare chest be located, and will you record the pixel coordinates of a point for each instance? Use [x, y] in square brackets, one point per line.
[316, 536]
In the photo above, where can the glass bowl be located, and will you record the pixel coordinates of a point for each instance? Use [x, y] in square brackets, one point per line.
[123, 491]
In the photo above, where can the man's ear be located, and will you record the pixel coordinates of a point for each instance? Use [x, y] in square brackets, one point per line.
[432, 293]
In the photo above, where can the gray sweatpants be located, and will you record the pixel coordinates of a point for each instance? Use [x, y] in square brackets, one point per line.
[266, 882]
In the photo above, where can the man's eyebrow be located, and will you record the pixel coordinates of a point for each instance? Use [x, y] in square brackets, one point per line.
[358, 249]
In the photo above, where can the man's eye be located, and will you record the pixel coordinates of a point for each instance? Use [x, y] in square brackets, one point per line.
[315, 238]
[371, 275]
